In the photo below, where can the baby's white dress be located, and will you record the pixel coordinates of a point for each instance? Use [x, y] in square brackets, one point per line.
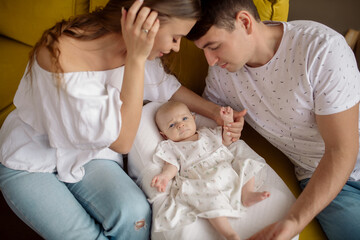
[207, 184]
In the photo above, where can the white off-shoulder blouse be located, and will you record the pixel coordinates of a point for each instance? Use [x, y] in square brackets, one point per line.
[61, 129]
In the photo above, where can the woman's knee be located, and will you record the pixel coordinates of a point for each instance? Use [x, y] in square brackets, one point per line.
[130, 221]
[135, 212]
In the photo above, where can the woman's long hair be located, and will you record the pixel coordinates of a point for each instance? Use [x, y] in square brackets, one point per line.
[106, 20]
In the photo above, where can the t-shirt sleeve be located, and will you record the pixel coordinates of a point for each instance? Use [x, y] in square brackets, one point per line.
[335, 76]
[213, 90]
[158, 86]
[165, 152]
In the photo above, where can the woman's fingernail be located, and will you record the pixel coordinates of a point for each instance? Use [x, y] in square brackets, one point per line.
[228, 133]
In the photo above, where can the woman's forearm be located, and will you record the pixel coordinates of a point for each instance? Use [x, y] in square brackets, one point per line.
[132, 98]
[197, 103]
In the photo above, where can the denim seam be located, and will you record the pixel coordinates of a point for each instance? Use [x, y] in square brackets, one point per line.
[92, 207]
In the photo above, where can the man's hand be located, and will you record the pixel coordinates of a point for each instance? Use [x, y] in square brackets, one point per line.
[235, 128]
[281, 230]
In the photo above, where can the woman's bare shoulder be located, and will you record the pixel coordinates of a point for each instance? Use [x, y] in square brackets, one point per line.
[67, 56]
[43, 58]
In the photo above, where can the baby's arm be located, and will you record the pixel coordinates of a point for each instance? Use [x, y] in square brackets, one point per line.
[161, 180]
[226, 114]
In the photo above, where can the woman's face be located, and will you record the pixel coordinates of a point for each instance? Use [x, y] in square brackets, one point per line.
[169, 36]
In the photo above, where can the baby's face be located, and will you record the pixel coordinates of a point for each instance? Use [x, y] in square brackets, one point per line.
[177, 123]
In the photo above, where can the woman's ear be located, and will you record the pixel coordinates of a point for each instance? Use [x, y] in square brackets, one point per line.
[244, 19]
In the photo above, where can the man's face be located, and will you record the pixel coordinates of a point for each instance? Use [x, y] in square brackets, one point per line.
[230, 50]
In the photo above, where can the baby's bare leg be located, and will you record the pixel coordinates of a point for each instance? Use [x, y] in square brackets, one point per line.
[222, 226]
[249, 197]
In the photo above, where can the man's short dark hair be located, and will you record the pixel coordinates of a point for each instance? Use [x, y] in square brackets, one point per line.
[220, 13]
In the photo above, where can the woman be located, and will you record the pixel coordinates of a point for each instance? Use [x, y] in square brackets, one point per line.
[78, 107]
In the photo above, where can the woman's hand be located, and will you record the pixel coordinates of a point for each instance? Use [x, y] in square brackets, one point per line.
[139, 28]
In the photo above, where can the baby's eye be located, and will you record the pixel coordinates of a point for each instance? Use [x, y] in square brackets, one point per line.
[185, 118]
[171, 125]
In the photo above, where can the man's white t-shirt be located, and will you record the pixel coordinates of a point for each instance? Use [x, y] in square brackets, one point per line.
[313, 72]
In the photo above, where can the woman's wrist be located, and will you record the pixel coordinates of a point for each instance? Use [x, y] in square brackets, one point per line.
[135, 60]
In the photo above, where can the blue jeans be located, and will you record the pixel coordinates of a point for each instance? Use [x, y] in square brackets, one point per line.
[341, 218]
[106, 204]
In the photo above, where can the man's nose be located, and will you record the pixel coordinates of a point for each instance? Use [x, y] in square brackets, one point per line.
[211, 58]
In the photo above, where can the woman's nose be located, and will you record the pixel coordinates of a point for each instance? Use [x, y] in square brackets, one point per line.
[176, 46]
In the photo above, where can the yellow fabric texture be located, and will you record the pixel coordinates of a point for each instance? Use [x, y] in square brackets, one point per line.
[96, 3]
[275, 10]
[25, 21]
[14, 52]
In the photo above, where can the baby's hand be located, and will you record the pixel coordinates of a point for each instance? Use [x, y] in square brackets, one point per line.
[226, 113]
[160, 182]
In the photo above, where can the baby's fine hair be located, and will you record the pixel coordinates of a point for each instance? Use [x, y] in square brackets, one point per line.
[166, 106]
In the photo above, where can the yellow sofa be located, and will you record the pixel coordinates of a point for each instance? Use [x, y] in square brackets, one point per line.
[21, 25]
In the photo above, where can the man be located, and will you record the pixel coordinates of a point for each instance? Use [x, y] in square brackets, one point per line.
[300, 84]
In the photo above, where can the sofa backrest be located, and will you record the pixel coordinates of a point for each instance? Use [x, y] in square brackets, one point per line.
[25, 21]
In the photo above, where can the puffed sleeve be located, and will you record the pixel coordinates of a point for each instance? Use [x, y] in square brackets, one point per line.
[158, 86]
[81, 117]
[165, 152]
[82, 113]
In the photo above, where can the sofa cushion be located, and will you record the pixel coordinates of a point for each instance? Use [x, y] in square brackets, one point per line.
[14, 56]
[275, 10]
[25, 21]
[97, 3]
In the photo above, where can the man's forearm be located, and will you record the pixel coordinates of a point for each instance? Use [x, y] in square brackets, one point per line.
[327, 181]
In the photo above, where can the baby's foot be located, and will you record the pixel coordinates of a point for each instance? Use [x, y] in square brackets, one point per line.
[254, 197]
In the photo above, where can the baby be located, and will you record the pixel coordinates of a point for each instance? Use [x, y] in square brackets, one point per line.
[207, 185]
